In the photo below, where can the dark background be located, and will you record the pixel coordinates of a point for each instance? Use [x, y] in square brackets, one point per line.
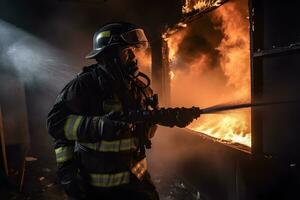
[68, 26]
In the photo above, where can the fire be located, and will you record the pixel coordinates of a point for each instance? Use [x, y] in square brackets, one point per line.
[235, 49]
[196, 80]
[172, 75]
[192, 5]
[173, 41]
[231, 128]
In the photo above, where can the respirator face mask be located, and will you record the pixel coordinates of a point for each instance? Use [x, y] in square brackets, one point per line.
[136, 45]
[130, 58]
[128, 48]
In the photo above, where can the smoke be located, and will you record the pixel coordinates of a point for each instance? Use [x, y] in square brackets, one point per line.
[33, 60]
[200, 41]
[212, 59]
[37, 71]
[196, 65]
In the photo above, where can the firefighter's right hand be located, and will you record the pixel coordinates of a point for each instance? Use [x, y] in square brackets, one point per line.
[111, 127]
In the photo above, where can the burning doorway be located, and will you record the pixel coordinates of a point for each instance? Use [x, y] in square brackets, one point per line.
[207, 60]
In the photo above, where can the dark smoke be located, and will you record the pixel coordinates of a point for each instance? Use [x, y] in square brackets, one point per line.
[202, 38]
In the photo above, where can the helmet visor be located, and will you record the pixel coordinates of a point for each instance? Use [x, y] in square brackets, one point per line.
[136, 37]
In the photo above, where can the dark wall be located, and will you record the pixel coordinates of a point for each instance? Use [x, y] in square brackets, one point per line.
[70, 24]
[275, 77]
[276, 72]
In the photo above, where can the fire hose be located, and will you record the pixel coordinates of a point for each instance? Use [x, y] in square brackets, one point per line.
[180, 116]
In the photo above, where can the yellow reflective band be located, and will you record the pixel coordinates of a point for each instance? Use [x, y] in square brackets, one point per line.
[110, 180]
[103, 35]
[64, 153]
[127, 144]
[71, 127]
[112, 146]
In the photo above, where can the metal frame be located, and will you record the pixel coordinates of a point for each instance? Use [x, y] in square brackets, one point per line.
[277, 51]
[256, 42]
[258, 56]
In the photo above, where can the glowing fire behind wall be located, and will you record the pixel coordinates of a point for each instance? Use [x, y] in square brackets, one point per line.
[199, 5]
[209, 64]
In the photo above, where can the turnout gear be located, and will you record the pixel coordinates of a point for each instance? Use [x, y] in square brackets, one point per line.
[90, 138]
[109, 128]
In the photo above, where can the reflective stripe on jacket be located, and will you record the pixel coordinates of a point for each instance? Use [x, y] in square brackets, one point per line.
[71, 120]
[64, 153]
[112, 146]
[110, 180]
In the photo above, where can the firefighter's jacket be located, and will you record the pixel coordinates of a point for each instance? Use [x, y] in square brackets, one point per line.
[78, 145]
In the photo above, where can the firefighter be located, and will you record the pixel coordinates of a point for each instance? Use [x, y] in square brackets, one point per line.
[98, 155]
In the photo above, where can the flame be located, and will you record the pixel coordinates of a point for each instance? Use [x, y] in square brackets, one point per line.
[235, 49]
[232, 128]
[173, 30]
[172, 75]
[178, 33]
[200, 5]
[206, 82]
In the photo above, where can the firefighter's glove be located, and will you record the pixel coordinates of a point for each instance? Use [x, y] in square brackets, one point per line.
[111, 126]
[183, 117]
[171, 117]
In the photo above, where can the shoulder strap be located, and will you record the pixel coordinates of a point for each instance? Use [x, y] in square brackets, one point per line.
[121, 91]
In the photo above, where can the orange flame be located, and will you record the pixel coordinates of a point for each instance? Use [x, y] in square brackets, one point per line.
[192, 5]
[173, 41]
[172, 75]
[199, 86]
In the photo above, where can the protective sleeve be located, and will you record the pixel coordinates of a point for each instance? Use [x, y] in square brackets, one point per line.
[65, 124]
[66, 162]
[66, 121]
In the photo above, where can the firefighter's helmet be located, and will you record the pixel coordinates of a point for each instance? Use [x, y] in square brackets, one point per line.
[117, 33]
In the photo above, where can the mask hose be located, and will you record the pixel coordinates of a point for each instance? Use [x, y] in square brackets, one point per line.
[141, 74]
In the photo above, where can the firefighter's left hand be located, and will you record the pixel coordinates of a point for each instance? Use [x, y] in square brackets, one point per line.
[74, 190]
[111, 127]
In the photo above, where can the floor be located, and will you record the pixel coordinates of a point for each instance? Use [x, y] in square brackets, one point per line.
[40, 183]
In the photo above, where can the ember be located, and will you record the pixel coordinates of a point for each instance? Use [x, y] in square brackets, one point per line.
[212, 66]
